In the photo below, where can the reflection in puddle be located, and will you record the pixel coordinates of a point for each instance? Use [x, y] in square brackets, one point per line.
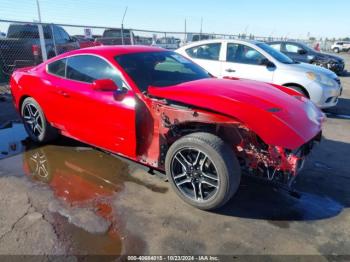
[86, 181]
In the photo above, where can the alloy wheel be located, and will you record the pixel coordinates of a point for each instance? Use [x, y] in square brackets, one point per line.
[194, 174]
[33, 119]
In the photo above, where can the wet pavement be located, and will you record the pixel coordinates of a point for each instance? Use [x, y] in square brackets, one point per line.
[68, 198]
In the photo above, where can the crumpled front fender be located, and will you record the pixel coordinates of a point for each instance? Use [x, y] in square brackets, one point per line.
[289, 124]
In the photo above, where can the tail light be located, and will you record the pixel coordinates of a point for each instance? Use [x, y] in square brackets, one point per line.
[35, 50]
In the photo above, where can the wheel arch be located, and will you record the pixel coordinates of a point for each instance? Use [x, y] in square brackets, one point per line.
[233, 133]
[297, 85]
[20, 103]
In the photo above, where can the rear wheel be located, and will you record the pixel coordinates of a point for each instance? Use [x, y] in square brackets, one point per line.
[35, 123]
[203, 170]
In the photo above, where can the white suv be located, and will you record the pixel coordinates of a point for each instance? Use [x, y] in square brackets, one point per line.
[341, 46]
[258, 61]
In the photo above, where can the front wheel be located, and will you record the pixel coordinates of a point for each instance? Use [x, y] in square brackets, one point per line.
[203, 170]
[35, 123]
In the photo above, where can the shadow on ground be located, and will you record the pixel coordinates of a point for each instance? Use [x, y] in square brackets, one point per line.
[323, 185]
[341, 111]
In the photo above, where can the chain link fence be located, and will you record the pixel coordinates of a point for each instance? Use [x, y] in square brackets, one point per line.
[29, 43]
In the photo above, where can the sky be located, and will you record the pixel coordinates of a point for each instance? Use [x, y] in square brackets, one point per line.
[287, 18]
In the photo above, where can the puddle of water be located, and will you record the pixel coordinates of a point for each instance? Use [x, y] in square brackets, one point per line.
[84, 182]
[82, 242]
[11, 137]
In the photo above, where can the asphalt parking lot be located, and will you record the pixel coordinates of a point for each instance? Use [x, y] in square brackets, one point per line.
[67, 198]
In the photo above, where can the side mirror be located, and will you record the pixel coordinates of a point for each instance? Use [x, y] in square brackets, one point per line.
[266, 62]
[104, 85]
[302, 52]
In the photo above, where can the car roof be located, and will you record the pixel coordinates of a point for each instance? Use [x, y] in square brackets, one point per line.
[209, 41]
[112, 50]
[285, 41]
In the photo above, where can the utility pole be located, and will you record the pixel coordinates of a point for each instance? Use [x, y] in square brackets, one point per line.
[41, 34]
[185, 38]
[126, 9]
[201, 31]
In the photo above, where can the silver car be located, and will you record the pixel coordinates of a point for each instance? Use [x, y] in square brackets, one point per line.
[258, 61]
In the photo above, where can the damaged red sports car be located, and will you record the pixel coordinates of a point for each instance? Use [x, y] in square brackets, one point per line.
[160, 109]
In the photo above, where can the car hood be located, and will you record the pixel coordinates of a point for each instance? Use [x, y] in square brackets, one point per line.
[304, 68]
[329, 57]
[277, 117]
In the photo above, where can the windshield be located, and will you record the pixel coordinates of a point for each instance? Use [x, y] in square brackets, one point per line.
[275, 54]
[160, 69]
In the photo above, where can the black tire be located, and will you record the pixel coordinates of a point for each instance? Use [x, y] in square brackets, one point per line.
[336, 50]
[47, 132]
[299, 90]
[219, 155]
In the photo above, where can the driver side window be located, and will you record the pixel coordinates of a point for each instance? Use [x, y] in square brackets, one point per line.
[87, 68]
[290, 48]
[238, 53]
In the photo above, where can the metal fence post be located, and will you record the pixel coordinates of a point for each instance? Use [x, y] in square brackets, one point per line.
[53, 39]
[41, 34]
[42, 42]
[132, 37]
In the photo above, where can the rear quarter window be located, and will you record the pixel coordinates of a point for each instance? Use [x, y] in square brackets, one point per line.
[57, 68]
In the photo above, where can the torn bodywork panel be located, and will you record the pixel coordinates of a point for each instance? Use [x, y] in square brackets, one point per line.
[170, 120]
[261, 107]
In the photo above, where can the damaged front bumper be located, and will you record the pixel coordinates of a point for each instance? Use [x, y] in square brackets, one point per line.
[276, 164]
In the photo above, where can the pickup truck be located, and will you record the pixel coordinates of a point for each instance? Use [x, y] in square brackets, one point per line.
[21, 46]
[114, 37]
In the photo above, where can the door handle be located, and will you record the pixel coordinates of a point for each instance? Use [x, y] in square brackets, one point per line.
[230, 70]
[63, 93]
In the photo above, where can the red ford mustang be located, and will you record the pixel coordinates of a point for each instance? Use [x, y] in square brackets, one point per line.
[160, 109]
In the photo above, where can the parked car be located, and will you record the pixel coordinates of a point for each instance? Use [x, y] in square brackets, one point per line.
[190, 37]
[21, 47]
[300, 52]
[85, 42]
[114, 37]
[259, 61]
[158, 108]
[171, 43]
[340, 46]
